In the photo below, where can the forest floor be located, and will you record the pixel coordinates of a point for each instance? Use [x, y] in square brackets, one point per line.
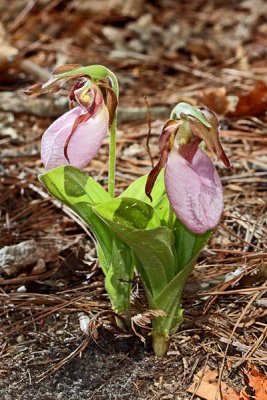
[205, 52]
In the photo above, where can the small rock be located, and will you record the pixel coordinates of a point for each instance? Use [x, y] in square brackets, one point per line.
[13, 258]
[114, 35]
[133, 150]
[6, 118]
[21, 289]
[9, 132]
[20, 339]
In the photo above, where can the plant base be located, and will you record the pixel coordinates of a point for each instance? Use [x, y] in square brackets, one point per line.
[123, 321]
[160, 344]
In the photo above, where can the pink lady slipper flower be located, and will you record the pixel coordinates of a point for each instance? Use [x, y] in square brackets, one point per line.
[192, 183]
[76, 136]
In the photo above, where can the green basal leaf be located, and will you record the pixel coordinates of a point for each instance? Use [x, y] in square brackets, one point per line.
[162, 209]
[169, 300]
[188, 244]
[80, 192]
[142, 273]
[160, 200]
[118, 280]
[137, 190]
[102, 260]
[70, 183]
[138, 225]
[128, 213]
[189, 110]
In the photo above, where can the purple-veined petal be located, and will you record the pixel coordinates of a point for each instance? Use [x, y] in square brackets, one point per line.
[84, 143]
[194, 191]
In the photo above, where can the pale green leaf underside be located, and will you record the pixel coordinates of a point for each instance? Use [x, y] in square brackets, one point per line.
[160, 200]
[189, 110]
[137, 190]
[93, 71]
[188, 244]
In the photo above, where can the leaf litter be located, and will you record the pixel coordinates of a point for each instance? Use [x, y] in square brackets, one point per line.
[206, 386]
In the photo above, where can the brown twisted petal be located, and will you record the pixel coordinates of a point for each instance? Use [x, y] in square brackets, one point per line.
[53, 85]
[210, 135]
[151, 179]
[111, 101]
[33, 90]
[165, 146]
[65, 68]
[167, 130]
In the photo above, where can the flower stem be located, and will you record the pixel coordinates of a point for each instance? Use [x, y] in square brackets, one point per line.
[112, 141]
[112, 159]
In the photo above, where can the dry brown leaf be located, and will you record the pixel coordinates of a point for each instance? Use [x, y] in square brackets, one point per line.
[205, 385]
[215, 99]
[257, 383]
[253, 103]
